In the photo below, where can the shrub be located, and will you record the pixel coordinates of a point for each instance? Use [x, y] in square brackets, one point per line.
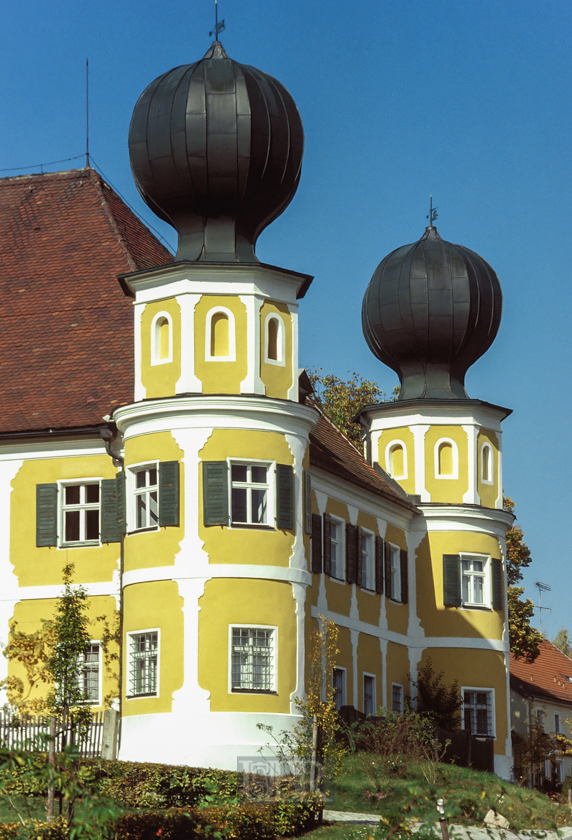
[408, 735]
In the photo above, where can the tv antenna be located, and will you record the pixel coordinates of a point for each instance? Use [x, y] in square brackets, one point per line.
[432, 211]
[542, 587]
[87, 113]
[218, 27]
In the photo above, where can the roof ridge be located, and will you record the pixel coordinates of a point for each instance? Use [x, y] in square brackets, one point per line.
[97, 181]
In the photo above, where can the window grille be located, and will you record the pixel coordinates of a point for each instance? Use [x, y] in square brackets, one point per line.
[339, 685]
[144, 656]
[477, 710]
[252, 659]
[397, 698]
[369, 695]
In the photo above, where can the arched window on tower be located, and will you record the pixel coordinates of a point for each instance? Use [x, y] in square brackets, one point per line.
[396, 459]
[487, 468]
[446, 459]
[161, 339]
[274, 340]
[220, 335]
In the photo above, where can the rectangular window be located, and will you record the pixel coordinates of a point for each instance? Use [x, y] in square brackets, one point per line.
[369, 698]
[397, 698]
[473, 580]
[395, 574]
[337, 549]
[557, 724]
[339, 685]
[250, 494]
[89, 672]
[367, 561]
[143, 664]
[253, 659]
[478, 711]
[146, 497]
[80, 513]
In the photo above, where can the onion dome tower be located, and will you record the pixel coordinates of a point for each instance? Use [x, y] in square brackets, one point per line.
[216, 151]
[430, 311]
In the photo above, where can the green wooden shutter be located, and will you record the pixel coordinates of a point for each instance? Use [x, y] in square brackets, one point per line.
[359, 570]
[109, 526]
[351, 541]
[404, 576]
[169, 494]
[451, 580]
[120, 499]
[215, 492]
[46, 514]
[387, 569]
[308, 524]
[327, 544]
[379, 565]
[284, 496]
[316, 543]
[497, 584]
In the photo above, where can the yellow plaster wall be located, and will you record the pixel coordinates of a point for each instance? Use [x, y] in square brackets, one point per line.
[475, 669]
[29, 616]
[245, 545]
[449, 490]
[404, 434]
[35, 566]
[221, 377]
[250, 602]
[160, 380]
[345, 660]
[154, 548]
[397, 670]
[369, 660]
[147, 606]
[397, 614]
[435, 618]
[488, 493]
[276, 378]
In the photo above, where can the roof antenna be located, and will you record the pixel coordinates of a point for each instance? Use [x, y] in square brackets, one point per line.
[432, 212]
[542, 587]
[219, 27]
[87, 113]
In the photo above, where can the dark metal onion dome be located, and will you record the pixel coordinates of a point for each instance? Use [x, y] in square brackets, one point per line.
[216, 150]
[430, 311]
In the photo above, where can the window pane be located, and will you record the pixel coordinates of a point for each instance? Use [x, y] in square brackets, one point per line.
[92, 524]
[239, 472]
[153, 509]
[258, 507]
[238, 505]
[72, 494]
[141, 476]
[153, 477]
[259, 475]
[92, 493]
[72, 525]
[141, 510]
[478, 584]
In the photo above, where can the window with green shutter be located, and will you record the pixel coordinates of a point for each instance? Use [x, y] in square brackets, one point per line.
[284, 497]
[316, 543]
[452, 580]
[168, 494]
[497, 587]
[215, 492]
[46, 515]
[154, 496]
[77, 513]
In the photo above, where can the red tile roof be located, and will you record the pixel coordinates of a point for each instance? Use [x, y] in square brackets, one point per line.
[546, 677]
[66, 327]
[331, 451]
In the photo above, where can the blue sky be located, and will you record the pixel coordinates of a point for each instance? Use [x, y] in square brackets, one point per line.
[467, 100]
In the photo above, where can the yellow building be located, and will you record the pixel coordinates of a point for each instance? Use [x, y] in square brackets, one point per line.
[213, 506]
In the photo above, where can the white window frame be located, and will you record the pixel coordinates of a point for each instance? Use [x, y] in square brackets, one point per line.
[274, 648]
[557, 724]
[367, 675]
[280, 340]
[130, 636]
[487, 455]
[455, 452]
[401, 696]
[486, 576]
[395, 592]
[271, 491]
[340, 669]
[389, 458]
[81, 672]
[81, 506]
[156, 339]
[368, 538]
[132, 494]
[231, 335]
[491, 693]
[341, 554]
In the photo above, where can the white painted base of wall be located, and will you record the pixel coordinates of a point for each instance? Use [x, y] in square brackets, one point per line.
[216, 739]
[503, 766]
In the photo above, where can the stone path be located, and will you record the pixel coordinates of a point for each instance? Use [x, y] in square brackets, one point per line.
[457, 832]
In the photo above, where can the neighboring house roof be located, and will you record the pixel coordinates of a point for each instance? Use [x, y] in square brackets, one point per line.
[332, 452]
[546, 678]
[66, 326]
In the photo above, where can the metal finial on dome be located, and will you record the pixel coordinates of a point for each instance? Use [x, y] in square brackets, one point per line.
[432, 211]
[430, 311]
[218, 27]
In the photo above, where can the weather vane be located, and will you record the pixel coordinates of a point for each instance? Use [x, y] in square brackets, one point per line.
[432, 211]
[218, 27]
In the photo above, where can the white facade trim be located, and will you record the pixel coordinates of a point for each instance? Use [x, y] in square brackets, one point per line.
[188, 381]
[455, 455]
[229, 571]
[139, 391]
[487, 458]
[156, 340]
[293, 392]
[471, 497]
[419, 433]
[53, 591]
[54, 448]
[280, 359]
[394, 444]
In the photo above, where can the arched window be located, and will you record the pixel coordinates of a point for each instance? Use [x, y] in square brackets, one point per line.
[220, 335]
[396, 459]
[487, 468]
[274, 340]
[446, 459]
[161, 339]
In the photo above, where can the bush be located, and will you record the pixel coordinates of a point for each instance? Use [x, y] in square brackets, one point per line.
[409, 735]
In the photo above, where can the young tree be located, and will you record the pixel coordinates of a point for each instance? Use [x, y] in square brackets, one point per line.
[563, 641]
[524, 639]
[440, 702]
